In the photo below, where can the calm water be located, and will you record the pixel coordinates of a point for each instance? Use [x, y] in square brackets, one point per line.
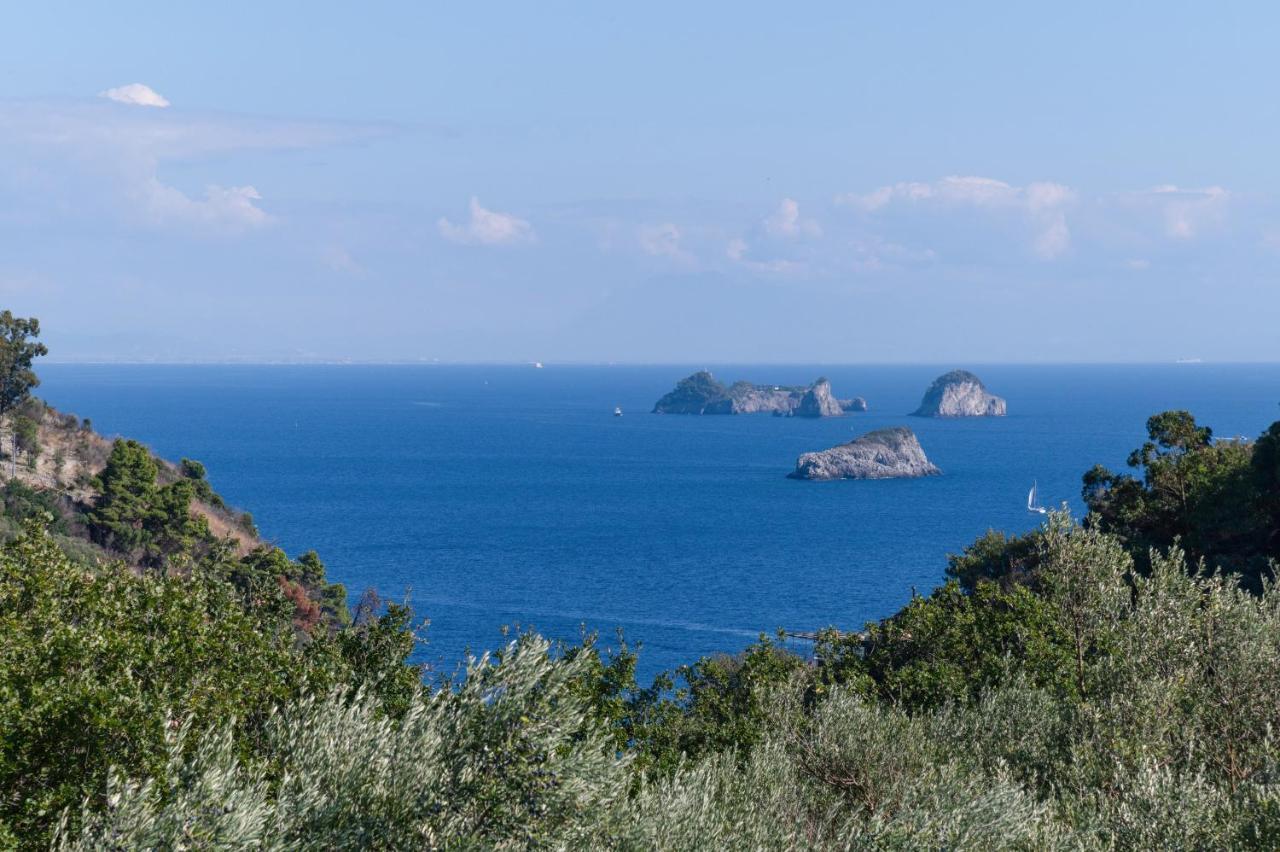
[494, 496]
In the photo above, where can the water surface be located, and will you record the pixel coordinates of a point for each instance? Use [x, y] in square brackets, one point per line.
[493, 496]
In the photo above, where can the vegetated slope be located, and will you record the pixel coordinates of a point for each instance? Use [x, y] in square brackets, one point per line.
[114, 500]
[67, 457]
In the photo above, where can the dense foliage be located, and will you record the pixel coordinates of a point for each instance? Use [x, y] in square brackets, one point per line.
[1140, 719]
[98, 668]
[693, 393]
[1219, 499]
[18, 349]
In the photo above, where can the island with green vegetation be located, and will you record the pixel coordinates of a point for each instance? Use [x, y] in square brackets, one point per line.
[168, 681]
[702, 393]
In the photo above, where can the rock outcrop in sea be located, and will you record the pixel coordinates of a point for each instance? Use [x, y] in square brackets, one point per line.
[701, 393]
[818, 402]
[883, 454]
[959, 394]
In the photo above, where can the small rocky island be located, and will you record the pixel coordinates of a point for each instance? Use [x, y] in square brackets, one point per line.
[959, 394]
[883, 454]
[701, 393]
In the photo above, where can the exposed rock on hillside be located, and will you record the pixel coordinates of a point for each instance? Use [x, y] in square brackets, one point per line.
[67, 455]
[701, 393]
[746, 398]
[818, 402]
[959, 394]
[883, 454]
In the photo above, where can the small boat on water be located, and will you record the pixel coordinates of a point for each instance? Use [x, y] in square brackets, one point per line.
[617, 411]
[1033, 498]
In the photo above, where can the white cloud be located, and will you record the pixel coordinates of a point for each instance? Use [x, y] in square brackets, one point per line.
[787, 222]
[135, 94]
[738, 250]
[95, 160]
[965, 190]
[1054, 239]
[1189, 211]
[98, 132]
[1048, 196]
[227, 208]
[488, 228]
[1042, 204]
[1137, 264]
[663, 240]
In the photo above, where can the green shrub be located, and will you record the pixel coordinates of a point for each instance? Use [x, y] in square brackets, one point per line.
[97, 664]
[511, 757]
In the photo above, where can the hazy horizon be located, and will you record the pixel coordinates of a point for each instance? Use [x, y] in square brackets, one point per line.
[673, 184]
[352, 362]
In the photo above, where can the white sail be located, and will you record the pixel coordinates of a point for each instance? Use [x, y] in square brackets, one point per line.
[1033, 500]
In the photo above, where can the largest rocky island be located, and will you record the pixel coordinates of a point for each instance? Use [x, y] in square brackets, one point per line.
[702, 393]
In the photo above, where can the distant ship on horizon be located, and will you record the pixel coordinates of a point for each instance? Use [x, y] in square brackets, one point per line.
[1189, 361]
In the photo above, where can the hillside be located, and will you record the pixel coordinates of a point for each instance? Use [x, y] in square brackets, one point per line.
[66, 459]
[113, 500]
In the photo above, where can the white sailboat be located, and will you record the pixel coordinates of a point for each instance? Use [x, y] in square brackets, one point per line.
[1033, 504]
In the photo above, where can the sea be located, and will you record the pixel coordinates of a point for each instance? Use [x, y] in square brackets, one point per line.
[501, 498]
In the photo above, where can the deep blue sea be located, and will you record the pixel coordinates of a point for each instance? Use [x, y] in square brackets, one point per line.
[501, 495]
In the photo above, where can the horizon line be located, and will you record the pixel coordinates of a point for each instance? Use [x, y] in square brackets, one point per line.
[532, 364]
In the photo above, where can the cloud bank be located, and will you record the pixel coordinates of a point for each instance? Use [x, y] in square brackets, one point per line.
[786, 222]
[229, 208]
[1043, 205]
[104, 160]
[487, 228]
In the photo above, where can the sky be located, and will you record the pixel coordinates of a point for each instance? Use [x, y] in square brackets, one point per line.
[657, 183]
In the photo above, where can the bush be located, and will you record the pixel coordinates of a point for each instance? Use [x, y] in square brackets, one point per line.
[509, 758]
[96, 666]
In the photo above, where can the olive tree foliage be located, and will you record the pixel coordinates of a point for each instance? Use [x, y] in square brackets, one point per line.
[100, 665]
[511, 757]
[1114, 708]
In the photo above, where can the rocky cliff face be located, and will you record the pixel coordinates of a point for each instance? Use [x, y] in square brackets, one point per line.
[746, 398]
[883, 454]
[817, 401]
[701, 393]
[959, 394]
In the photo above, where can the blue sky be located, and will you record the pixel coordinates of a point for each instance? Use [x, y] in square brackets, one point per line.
[659, 183]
